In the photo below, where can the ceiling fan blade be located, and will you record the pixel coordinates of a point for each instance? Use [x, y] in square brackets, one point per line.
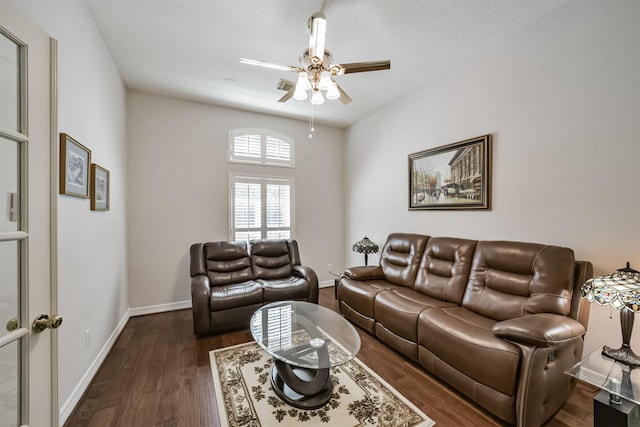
[318, 30]
[360, 67]
[287, 96]
[344, 98]
[269, 65]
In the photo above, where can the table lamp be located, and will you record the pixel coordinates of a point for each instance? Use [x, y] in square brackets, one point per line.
[620, 290]
[366, 247]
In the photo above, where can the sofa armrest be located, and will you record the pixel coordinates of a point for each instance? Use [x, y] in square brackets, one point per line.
[310, 276]
[364, 272]
[200, 292]
[540, 330]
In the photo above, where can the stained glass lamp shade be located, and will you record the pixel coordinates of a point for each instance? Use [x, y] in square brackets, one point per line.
[366, 247]
[620, 290]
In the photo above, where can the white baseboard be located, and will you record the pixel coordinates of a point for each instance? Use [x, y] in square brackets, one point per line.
[160, 308]
[68, 406]
[326, 284]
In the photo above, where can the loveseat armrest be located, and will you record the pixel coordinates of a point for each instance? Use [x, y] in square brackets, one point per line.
[200, 292]
[540, 330]
[311, 277]
[363, 272]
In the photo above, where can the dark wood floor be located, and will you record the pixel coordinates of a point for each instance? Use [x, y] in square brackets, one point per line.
[158, 374]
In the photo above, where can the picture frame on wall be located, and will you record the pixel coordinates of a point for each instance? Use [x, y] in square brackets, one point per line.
[454, 176]
[75, 160]
[100, 188]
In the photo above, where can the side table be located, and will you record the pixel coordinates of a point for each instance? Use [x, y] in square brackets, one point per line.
[617, 404]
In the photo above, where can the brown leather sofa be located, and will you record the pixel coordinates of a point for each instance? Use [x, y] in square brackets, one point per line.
[499, 321]
[230, 280]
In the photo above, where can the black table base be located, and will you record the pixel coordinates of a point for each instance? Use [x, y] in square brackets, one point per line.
[301, 388]
[608, 414]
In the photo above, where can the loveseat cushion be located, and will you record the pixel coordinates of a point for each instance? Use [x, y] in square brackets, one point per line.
[227, 262]
[466, 342]
[225, 297]
[289, 288]
[400, 257]
[270, 259]
[513, 279]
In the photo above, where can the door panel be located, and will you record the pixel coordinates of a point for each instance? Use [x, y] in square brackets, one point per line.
[27, 378]
[10, 389]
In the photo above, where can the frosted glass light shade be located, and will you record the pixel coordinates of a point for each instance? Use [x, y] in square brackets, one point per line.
[325, 80]
[333, 92]
[317, 98]
[303, 81]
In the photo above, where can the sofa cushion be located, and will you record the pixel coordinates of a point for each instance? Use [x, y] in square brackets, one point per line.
[227, 262]
[235, 295]
[400, 257]
[359, 295]
[289, 288]
[444, 268]
[511, 279]
[465, 340]
[398, 310]
[270, 259]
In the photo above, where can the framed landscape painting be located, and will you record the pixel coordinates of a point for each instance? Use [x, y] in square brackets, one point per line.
[75, 159]
[454, 176]
[99, 188]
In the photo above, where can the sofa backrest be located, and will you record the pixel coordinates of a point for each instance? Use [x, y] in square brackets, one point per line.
[272, 258]
[511, 279]
[580, 306]
[226, 262]
[401, 256]
[444, 269]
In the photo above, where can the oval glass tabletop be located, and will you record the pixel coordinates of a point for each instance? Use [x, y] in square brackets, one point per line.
[304, 334]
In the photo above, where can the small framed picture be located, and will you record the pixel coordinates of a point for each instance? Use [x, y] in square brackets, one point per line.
[75, 159]
[100, 188]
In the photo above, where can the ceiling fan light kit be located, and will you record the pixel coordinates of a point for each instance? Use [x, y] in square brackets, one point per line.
[316, 70]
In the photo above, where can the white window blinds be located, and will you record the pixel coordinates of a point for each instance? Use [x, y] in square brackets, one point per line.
[261, 146]
[261, 207]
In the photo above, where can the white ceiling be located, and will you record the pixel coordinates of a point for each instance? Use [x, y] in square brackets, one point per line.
[191, 48]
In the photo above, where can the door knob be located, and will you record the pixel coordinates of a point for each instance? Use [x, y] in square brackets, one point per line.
[43, 322]
[12, 324]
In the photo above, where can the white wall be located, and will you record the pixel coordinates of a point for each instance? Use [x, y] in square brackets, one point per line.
[178, 190]
[562, 100]
[92, 253]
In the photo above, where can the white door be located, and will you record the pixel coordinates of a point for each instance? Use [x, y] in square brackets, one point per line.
[27, 358]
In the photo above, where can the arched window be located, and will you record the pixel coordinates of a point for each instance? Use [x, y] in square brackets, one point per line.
[262, 147]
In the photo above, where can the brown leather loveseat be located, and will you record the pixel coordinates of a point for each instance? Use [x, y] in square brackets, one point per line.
[230, 280]
[500, 321]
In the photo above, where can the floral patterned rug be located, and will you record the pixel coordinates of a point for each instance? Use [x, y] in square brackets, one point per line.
[241, 375]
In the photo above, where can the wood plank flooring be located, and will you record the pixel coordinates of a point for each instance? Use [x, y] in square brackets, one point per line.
[158, 374]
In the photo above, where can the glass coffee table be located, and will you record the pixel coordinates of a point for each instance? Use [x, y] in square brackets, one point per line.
[619, 399]
[305, 340]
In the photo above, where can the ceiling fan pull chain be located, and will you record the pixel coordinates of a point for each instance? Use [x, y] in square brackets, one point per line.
[311, 128]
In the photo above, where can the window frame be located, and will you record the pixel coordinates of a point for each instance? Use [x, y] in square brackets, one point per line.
[263, 180]
[263, 159]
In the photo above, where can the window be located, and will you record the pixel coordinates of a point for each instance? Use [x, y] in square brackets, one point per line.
[261, 146]
[261, 207]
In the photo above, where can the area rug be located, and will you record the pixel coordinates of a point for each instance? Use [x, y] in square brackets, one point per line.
[241, 375]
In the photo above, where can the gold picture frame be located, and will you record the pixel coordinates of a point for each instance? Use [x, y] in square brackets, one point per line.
[75, 160]
[100, 188]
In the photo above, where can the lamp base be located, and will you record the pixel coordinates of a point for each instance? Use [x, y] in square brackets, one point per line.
[624, 355]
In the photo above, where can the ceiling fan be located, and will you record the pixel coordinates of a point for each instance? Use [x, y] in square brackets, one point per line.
[317, 71]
